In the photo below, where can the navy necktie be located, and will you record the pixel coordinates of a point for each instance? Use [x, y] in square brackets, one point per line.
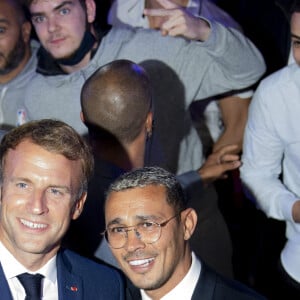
[32, 285]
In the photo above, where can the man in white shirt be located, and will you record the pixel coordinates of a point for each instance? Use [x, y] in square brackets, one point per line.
[271, 161]
[45, 167]
[148, 227]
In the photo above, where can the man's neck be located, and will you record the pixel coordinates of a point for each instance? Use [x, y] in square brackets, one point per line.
[30, 261]
[83, 63]
[92, 37]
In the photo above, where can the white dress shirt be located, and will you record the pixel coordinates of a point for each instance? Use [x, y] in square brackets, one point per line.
[271, 147]
[12, 268]
[185, 289]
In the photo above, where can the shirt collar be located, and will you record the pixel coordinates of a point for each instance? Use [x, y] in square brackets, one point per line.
[185, 288]
[11, 267]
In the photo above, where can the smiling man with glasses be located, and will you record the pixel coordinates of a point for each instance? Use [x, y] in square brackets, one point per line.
[148, 227]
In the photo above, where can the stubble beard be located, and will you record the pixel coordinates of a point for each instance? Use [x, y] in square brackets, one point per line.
[14, 58]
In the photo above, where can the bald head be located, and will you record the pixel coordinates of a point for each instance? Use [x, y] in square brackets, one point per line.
[117, 99]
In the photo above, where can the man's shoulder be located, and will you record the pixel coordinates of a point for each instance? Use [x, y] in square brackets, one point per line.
[91, 280]
[212, 285]
[83, 266]
[280, 78]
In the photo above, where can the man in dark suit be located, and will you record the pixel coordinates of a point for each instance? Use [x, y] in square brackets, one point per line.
[45, 168]
[148, 227]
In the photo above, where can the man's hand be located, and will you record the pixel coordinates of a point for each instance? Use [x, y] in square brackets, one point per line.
[176, 21]
[296, 211]
[218, 163]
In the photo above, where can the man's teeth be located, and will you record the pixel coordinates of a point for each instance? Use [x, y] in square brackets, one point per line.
[33, 225]
[141, 262]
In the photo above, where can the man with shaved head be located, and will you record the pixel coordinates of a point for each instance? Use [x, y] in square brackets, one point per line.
[17, 62]
[116, 104]
[116, 108]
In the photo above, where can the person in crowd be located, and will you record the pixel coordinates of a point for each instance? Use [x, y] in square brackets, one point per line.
[212, 62]
[45, 168]
[148, 226]
[219, 122]
[117, 109]
[17, 62]
[270, 168]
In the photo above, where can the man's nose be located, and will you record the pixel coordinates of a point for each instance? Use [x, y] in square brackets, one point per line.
[134, 240]
[37, 203]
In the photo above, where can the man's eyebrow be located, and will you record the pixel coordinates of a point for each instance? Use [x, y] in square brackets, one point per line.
[60, 187]
[114, 221]
[5, 21]
[138, 218]
[58, 7]
[24, 179]
[295, 36]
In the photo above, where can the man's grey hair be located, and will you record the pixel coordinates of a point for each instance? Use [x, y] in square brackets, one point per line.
[148, 176]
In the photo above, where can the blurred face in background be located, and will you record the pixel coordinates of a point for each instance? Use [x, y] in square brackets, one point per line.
[60, 25]
[14, 40]
[295, 34]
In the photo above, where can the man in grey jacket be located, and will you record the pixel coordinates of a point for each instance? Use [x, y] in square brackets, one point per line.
[214, 60]
[17, 62]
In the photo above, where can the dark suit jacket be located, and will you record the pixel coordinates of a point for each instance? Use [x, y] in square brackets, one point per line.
[79, 279]
[210, 286]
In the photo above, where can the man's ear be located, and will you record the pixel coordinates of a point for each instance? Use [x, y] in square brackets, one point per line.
[90, 10]
[82, 117]
[26, 31]
[149, 122]
[78, 208]
[189, 220]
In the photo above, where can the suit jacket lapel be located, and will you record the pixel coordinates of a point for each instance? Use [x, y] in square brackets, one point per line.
[205, 287]
[132, 292]
[70, 286]
[4, 287]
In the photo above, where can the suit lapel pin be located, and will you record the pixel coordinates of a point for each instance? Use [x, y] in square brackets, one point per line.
[72, 288]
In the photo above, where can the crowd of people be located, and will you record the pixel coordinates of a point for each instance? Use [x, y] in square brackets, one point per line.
[119, 120]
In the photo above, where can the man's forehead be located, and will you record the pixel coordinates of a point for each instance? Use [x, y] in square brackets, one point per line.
[52, 2]
[139, 199]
